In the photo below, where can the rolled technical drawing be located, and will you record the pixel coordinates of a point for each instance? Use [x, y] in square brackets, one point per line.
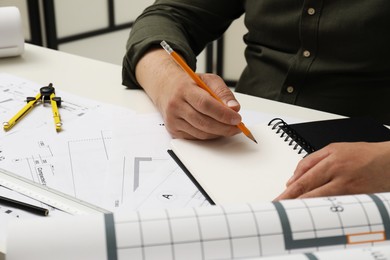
[303, 226]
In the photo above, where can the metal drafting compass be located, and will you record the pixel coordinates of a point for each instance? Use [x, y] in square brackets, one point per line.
[46, 95]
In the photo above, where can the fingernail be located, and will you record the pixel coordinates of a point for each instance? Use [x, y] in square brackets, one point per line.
[232, 103]
[235, 121]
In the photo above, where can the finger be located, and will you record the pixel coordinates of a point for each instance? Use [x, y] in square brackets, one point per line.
[233, 104]
[329, 189]
[183, 119]
[316, 177]
[208, 106]
[218, 86]
[207, 114]
[225, 112]
[188, 131]
[209, 125]
[180, 128]
[308, 163]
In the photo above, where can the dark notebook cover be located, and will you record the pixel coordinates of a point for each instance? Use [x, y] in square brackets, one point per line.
[321, 133]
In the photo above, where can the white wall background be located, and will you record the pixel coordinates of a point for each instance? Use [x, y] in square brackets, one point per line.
[79, 16]
[234, 60]
[109, 47]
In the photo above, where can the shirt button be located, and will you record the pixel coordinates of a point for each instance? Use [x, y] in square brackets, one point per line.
[311, 11]
[290, 89]
[306, 54]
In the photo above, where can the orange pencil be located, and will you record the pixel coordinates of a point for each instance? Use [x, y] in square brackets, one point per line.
[200, 83]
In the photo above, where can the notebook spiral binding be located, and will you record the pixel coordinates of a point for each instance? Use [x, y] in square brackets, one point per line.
[290, 136]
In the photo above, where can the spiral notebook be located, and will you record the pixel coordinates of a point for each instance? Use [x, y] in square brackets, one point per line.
[235, 170]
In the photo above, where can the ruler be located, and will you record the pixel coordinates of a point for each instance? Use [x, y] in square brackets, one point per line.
[47, 195]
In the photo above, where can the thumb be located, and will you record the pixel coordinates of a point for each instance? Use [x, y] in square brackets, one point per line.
[218, 86]
[233, 104]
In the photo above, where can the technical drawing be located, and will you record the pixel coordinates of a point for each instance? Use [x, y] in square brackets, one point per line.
[380, 231]
[137, 162]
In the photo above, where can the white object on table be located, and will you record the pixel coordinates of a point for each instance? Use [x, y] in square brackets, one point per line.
[11, 32]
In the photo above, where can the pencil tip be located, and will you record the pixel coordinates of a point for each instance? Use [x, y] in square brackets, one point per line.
[252, 138]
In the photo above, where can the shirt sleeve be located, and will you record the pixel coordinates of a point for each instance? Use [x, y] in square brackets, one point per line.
[187, 25]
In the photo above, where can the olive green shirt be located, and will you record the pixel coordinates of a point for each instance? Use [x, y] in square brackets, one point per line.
[330, 55]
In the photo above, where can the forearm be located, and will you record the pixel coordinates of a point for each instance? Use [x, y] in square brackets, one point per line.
[142, 40]
[187, 25]
[154, 71]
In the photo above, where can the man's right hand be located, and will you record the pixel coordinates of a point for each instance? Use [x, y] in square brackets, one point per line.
[189, 112]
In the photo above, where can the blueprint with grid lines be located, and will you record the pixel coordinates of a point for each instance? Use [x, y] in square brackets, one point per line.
[301, 226]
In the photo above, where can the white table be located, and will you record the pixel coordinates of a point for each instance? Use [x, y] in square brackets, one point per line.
[102, 81]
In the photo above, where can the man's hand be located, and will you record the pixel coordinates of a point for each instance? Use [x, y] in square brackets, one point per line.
[188, 111]
[341, 168]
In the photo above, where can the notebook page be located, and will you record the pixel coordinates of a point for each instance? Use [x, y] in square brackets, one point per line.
[235, 169]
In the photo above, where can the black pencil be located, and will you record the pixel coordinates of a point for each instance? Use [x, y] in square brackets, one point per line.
[24, 206]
